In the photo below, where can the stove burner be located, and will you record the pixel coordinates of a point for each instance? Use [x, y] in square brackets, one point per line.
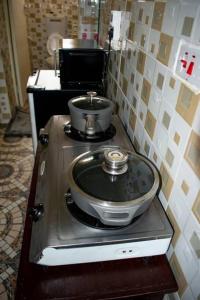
[91, 221]
[83, 137]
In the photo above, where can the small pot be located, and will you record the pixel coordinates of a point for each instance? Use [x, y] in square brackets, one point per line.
[90, 114]
[112, 184]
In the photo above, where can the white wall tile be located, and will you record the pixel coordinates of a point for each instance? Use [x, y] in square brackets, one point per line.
[191, 226]
[160, 68]
[155, 101]
[138, 80]
[149, 69]
[196, 122]
[186, 10]
[186, 259]
[178, 206]
[154, 38]
[187, 295]
[163, 200]
[161, 140]
[165, 110]
[195, 286]
[182, 128]
[185, 173]
[139, 131]
[170, 19]
[171, 94]
[147, 140]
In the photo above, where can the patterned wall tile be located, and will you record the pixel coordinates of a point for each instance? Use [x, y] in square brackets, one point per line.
[192, 154]
[142, 112]
[150, 124]
[165, 116]
[167, 181]
[196, 207]
[185, 24]
[195, 243]
[187, 104]
[154, 39]
[172, 10]
[195, 287]
[154, 102]
[149, 70]
[141, 62]
[179, 132]
[166, 121]
[146, 91]
[164, 51]
[182, 283]
[158, 14]
[171, 89]
[196, 121]
[185, 173]
[138, 83]
[186, 258]
[177, 204]
[132, 119]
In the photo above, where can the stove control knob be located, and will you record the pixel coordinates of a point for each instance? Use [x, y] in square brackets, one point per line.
[43, 137]
[67, 128]
[68, 197]
[36, 212]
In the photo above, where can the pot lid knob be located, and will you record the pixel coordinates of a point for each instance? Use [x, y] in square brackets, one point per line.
[91, 94]
[115, 162]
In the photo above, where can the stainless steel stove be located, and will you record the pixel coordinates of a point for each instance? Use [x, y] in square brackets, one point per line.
[61, 233]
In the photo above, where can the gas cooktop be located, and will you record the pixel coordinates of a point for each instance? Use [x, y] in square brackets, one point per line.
[60, 234]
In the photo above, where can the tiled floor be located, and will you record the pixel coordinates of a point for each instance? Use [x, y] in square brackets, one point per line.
[16, 164]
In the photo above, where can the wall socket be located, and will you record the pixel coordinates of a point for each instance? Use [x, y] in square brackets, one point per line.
[187, 65]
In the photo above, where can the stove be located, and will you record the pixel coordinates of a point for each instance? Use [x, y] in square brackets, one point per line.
[61, 233]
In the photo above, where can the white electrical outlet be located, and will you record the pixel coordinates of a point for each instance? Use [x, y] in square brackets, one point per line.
[187, 65]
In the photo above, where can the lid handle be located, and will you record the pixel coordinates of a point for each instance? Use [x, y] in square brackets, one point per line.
[91, 94]
[115, 162]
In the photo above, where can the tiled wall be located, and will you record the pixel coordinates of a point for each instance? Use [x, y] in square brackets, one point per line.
[162, 116]
[37, 13]
[7, 94]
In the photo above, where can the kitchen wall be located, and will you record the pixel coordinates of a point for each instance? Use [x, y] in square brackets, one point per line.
[7, 92]
[162, 115]
[19, 35]
[38, 13]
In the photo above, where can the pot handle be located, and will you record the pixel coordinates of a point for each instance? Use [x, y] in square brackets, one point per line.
[116, 217]
[90, 124]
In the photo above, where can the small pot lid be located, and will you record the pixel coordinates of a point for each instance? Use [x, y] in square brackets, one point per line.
[90, 102]
[112, 174]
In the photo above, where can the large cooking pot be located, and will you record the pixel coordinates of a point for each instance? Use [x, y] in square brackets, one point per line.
[90, 114]
[112, 184]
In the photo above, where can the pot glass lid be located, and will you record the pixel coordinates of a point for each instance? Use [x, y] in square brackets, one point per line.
[88, 103]
[112, 175]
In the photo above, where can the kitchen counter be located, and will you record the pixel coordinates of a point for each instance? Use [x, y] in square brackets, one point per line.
[137, 278]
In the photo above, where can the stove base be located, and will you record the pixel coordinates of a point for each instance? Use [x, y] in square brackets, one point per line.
[69, 256]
